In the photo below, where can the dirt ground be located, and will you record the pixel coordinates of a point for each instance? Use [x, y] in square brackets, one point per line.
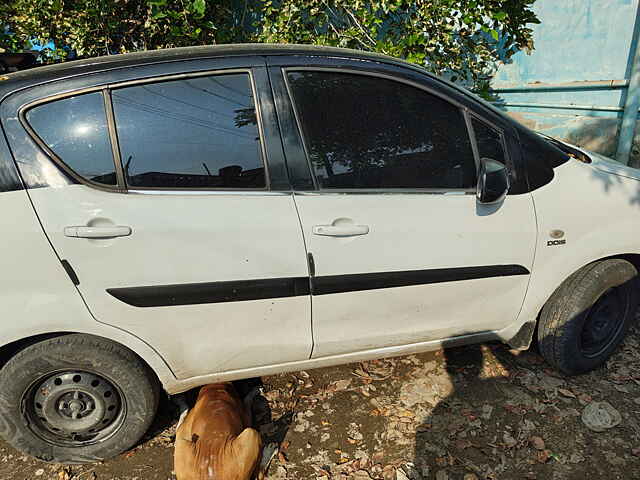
[479, 412]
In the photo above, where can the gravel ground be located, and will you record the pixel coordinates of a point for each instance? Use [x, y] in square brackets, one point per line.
[479, 412]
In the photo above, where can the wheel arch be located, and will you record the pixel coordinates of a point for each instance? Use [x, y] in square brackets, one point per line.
[521, 335]
[160, 371]
[633, 258]
[9, 350]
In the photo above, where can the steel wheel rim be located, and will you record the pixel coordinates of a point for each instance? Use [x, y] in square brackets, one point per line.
[603, 322]
[74, 408]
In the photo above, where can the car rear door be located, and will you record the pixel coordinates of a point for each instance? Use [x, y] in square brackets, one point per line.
[403, 253]
[176, 219]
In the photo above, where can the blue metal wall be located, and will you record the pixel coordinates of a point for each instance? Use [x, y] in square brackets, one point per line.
[574, 84]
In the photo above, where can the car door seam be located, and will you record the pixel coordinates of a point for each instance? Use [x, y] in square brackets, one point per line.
[310, 273]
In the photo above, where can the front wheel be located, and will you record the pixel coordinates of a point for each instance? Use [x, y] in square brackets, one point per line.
[588, 316]
[76, 399]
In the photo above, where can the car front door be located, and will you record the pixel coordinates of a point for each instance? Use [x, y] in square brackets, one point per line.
[402, 251]
[189, 239]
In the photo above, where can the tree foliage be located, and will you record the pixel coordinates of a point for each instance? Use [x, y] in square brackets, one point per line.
[464, 38]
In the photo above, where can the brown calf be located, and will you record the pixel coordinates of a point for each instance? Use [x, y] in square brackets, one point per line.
[215, 441]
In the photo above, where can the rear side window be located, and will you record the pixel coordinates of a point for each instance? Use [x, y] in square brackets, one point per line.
[193, 133]
[367, 132]
[75, 129]
[489, 141]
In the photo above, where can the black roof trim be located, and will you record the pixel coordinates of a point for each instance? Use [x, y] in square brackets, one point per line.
[26, 78]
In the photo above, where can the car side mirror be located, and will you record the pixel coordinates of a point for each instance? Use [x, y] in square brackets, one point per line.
[493, 182]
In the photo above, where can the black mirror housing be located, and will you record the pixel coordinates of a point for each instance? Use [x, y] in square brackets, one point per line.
[493, 182]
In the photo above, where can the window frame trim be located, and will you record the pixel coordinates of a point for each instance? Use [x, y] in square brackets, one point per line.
[113, 138]
[106, 89]
[285, 70]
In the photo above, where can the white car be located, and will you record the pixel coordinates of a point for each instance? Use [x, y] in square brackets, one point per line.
[182, 217]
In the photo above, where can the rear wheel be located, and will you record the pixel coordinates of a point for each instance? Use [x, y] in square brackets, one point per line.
[588, 316]
[76, 399]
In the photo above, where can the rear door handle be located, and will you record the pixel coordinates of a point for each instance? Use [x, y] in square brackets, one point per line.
[340, 230]
[97, 232]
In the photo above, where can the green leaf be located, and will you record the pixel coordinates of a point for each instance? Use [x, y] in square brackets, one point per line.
[199, 6]
[500, 16]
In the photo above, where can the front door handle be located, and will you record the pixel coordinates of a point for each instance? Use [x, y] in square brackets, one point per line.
[348, 230]
[97, 232]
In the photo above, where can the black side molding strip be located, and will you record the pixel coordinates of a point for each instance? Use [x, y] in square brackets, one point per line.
[211, 292]
[241, 290]
[372, 281]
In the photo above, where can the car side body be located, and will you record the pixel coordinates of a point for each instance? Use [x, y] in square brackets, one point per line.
[220, 284]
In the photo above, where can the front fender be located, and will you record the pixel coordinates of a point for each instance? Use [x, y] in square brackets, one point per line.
[599, 215]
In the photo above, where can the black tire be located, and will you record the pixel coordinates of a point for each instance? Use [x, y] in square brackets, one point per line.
[76, 382]
[588, 316]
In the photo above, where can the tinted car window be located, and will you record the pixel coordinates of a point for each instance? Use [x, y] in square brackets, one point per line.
[489, 141]
[75, 129]
[194, 133]
[368, 132]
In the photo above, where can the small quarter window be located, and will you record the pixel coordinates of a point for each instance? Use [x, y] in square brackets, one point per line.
[194, 133]
[489, 141]
[75, 129]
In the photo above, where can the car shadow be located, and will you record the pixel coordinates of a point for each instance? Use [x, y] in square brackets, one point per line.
[437, 437]
[501, 403]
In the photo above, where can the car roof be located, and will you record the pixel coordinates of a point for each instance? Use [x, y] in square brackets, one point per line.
[25, 78]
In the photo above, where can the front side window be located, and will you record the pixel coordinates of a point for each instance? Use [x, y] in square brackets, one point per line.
[75, 129]
[194, 133]
[367, 132]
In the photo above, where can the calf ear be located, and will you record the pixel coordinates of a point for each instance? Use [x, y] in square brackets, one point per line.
[245, 452]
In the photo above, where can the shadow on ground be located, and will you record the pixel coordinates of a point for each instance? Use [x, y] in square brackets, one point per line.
[479, 411]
